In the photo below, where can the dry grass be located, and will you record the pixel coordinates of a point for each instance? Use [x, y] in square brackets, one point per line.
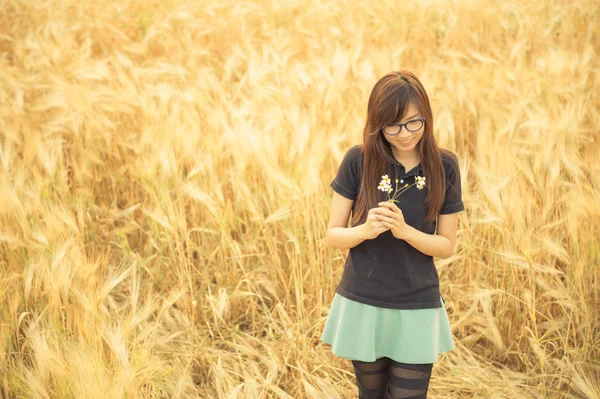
[165, 169]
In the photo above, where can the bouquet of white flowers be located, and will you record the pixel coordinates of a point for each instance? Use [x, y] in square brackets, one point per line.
[386, 186]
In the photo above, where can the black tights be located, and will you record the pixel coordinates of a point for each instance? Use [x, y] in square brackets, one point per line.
[387, 379]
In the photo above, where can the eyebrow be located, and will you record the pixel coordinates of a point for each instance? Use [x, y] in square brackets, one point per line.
[410, 117]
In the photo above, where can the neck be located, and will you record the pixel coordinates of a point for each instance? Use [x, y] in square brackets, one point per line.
[412, 157]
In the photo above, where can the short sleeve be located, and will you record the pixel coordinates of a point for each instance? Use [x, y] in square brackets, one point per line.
[453, 198]
[347, 182]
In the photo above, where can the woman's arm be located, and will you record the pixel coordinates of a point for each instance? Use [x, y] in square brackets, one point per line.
[339, 235]
[442, 243]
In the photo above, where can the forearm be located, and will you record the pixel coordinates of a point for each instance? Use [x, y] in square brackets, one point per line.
[345, 237]
[429, 244]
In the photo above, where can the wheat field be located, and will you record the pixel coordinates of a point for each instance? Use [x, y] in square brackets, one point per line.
[165, 192]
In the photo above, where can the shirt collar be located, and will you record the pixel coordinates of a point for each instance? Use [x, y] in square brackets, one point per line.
[402, 173]
[398, 168]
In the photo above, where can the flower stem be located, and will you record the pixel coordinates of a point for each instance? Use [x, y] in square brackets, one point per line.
[406, 188]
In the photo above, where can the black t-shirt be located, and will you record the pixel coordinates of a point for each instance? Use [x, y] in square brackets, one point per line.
[385, 271]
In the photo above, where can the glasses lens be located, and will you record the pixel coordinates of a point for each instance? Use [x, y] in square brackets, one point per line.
[393, 129]
[413, 126]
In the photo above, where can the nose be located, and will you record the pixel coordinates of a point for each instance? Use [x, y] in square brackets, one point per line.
[403, 130]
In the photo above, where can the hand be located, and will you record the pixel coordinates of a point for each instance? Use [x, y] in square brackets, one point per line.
[372, 227]
[391, 217]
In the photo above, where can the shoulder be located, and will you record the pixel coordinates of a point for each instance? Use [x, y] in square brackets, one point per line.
[448, 156]
[449, 164]
[449, 160]
[354, 155]
[355, 152]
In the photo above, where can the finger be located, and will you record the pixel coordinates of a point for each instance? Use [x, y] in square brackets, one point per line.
[388, 226]
[380, 210]
[376, 219]
[390, 205]
[379, 225]
[387, 212]
[389, 221]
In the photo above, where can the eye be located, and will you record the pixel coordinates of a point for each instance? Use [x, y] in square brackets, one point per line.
[414, 125]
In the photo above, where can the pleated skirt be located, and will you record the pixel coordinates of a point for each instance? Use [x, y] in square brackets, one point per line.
[358, 331]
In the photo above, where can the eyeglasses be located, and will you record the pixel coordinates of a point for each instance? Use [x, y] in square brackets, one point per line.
[412, 126]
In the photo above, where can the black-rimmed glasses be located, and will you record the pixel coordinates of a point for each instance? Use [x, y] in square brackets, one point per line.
[412, 126]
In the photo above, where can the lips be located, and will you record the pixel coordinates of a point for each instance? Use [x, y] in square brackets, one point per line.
[405, 142]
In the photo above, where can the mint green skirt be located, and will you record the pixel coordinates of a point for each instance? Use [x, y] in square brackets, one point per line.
[358, 331]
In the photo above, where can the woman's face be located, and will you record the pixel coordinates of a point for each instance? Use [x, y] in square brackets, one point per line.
[406, 142]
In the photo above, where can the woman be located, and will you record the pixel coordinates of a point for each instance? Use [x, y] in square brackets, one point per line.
[388, 315]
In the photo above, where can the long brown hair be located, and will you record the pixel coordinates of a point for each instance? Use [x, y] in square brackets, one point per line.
[388, 103]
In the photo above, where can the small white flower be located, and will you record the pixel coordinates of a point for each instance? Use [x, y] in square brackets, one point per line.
[385, 184]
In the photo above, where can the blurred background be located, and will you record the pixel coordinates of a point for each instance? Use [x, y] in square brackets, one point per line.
[165, 170]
